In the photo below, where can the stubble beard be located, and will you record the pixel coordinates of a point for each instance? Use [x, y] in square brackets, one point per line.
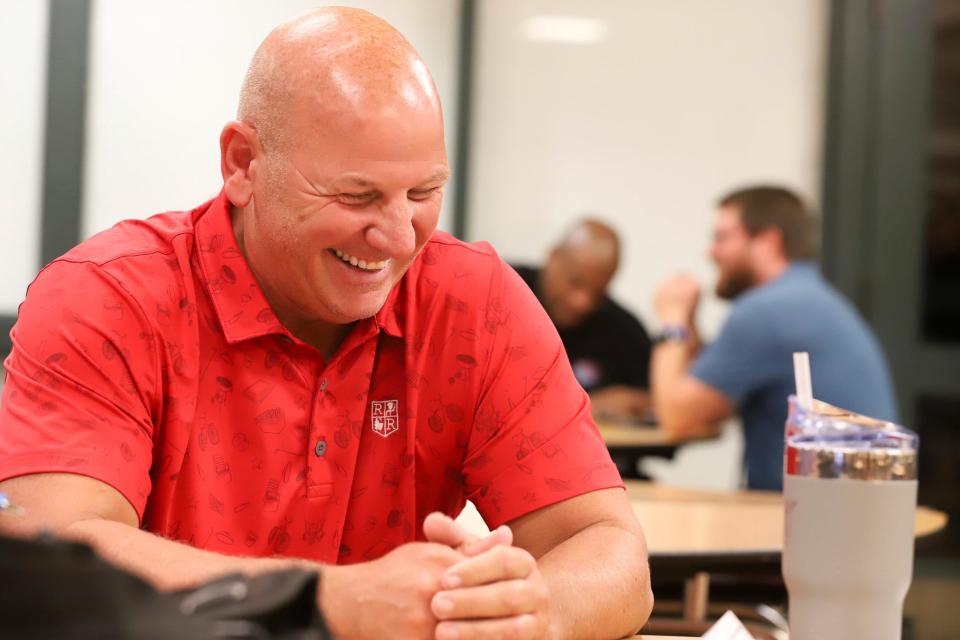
[734, 284]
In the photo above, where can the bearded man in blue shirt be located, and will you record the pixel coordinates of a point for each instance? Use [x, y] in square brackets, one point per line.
[764, 248]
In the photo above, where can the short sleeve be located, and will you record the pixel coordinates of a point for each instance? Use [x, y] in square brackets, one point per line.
[534, 442]
[81, 383]
[743, 358]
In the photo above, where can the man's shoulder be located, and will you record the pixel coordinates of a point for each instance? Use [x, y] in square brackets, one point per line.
[757, 303]
[527, 273]
[800, 288]
[465, 282]
[134, 238]
[446, 244]
[616, 315]
[755, 317]
[139, 256]
[449, 262]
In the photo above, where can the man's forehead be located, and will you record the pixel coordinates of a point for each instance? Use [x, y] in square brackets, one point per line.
[727, 218]
[353, 180]
[583, 262]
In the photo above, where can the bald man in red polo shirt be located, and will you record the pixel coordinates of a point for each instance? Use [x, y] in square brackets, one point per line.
[303, 370]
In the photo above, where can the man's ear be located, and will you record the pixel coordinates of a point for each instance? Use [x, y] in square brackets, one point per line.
[773, 241]
[239, 146]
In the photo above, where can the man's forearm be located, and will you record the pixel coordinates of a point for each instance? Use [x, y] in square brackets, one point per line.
[164, 563]
[599, 583]
[668, 366]
[171, 565]
[619, 402]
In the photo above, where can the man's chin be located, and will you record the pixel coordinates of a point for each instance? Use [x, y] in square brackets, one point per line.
[731, 288]
[567, 322]
[355, 308]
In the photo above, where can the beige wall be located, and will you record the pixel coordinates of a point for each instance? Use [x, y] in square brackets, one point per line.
[23, 59]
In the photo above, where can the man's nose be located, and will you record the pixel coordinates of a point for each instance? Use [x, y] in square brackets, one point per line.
[392, 232]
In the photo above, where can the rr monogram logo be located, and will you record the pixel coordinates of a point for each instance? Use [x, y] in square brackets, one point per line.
[384, 417]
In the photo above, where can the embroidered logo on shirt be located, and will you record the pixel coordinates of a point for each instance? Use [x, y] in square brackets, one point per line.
[384, 417]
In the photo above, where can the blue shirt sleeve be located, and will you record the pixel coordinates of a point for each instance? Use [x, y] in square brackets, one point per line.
[744, 358]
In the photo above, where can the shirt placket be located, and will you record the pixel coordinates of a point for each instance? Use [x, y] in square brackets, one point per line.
[340, 400]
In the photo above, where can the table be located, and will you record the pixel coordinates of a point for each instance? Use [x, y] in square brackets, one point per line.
[703, 523]
[630, 443]
[643, 436]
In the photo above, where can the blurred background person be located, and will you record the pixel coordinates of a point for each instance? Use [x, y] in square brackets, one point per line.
[608, 347]
[763, 247]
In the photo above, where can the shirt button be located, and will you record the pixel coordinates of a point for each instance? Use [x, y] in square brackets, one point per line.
[321, 448]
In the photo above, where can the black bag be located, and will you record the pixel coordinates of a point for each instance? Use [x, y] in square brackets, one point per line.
[51, 588]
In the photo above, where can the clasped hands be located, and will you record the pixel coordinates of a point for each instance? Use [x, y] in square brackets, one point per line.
[452, 587]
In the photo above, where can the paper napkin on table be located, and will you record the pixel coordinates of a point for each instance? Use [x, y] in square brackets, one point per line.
[728, 627]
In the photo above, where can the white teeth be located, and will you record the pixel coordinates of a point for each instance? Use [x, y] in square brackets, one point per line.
[361, 264]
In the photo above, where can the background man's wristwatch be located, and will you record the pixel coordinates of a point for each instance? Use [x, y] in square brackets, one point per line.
[674, 333]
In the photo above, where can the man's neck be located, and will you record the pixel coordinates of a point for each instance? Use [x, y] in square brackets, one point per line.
[322, 336]
[325, 337]
[772, 270]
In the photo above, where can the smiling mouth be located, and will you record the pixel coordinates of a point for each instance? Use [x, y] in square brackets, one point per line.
[356, 262]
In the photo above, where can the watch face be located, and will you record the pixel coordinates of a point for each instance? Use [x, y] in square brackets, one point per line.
[587, 373]
[677, 333]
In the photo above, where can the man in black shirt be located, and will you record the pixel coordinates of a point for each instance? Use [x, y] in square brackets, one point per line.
[607, 346]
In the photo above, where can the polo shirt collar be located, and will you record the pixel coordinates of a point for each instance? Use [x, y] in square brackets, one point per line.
[388, 318]
[240, 305]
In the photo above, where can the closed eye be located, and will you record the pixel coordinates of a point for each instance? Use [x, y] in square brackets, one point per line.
[423, 194]
[357, 198]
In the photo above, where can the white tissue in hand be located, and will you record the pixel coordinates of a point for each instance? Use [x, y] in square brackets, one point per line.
[728, 627]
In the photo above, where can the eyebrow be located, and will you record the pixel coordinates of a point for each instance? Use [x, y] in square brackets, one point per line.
[353, 180]
[439, 176]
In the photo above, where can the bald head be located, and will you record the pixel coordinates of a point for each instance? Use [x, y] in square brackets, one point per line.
[331, 65]
[591, 241]
[574, 278]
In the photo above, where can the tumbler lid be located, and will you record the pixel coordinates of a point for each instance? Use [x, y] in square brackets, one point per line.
[829, 442]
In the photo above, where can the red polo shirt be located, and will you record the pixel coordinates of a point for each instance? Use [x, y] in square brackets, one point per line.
[148, 358]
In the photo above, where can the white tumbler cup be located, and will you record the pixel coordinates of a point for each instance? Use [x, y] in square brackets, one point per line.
[850, 493]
